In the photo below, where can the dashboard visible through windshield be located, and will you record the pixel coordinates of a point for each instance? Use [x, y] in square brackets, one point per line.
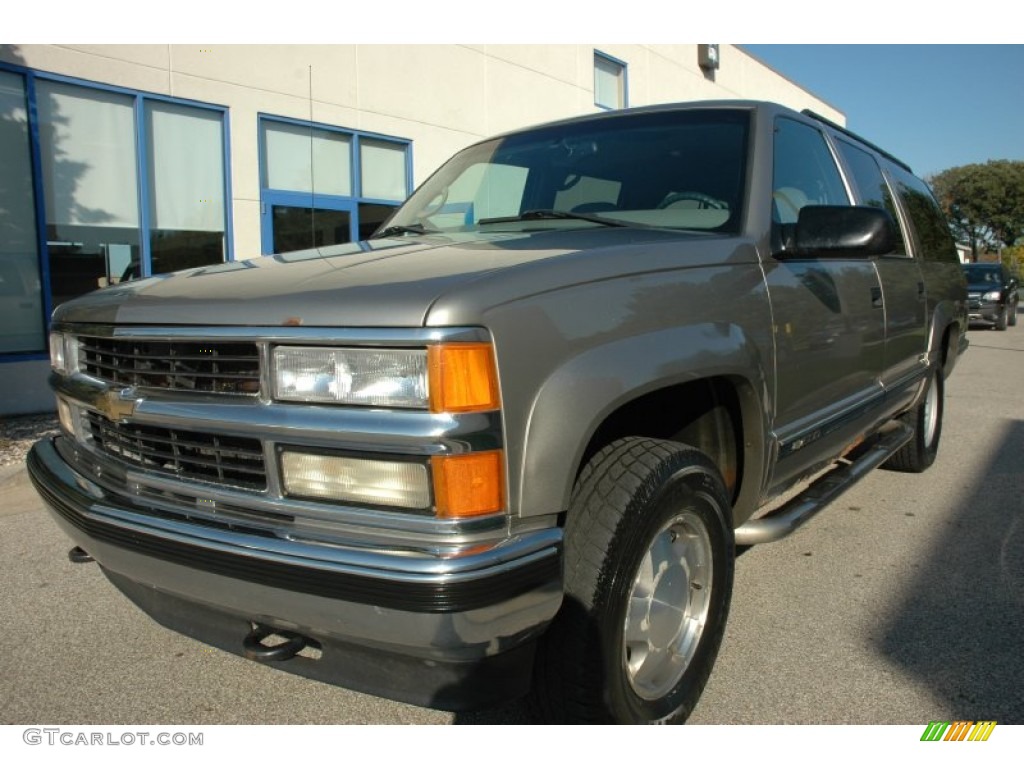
[678, 170]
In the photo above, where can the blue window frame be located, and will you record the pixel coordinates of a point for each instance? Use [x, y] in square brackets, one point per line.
[322, 184]
[611, 83]
[24, 304]
[124, 184]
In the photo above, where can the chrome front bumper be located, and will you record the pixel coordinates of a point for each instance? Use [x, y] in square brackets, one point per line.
[417, 628]
[984, 311]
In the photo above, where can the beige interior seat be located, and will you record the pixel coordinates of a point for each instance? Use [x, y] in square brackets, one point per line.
[787, 202]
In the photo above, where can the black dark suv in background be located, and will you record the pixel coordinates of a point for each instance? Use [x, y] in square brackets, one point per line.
[992, 295]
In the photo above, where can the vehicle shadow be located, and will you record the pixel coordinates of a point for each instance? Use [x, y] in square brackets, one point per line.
[514, 713]
[960, 628]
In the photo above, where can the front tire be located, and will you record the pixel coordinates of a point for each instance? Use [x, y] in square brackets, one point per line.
[649, 565]
[926, 421]
[1003, 318]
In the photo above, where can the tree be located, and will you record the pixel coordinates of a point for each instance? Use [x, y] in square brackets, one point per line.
[1013, 258]
[983, 202]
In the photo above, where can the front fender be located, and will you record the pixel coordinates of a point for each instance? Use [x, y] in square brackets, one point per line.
[576, 398]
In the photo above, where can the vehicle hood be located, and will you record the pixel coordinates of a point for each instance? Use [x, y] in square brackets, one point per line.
[983, 287]
[380, 283]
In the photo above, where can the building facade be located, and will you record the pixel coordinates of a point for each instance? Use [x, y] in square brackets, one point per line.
[120, 161]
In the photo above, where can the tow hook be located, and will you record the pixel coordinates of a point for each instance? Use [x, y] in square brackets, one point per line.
[257, 651]
[79, 555]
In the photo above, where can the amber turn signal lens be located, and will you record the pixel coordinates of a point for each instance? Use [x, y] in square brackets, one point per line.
[462, 378]
[468, 485]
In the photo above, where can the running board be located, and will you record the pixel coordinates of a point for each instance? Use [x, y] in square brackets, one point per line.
[781, 522]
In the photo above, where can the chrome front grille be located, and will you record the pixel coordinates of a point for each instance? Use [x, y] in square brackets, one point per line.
[217, 367]
[230, 461]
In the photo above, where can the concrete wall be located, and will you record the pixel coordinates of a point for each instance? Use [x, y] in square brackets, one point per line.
[23, 388]
[443, 97]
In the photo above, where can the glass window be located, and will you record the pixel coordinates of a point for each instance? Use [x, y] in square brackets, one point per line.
[314, 193]
[383, 169]
[102, 156]
[804, 172]
[870, 183]
[88, 143]
[297, 229]
[682, 170]
[925, 216]
[609, 82]
[22, 322]
[589, 195]
[303, 159]
[483, 191]
[186, 177]
[88, 148]
[371, 216]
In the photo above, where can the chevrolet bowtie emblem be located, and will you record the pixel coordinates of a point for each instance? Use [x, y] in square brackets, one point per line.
[117, 405]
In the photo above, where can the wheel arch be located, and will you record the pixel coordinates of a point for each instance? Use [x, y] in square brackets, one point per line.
[944, 337]
[650, 387]
[950, 348]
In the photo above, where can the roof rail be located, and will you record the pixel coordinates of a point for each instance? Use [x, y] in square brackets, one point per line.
[852, 135]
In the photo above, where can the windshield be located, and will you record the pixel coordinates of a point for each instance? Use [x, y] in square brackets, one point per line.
[681, 169]
[984, 274]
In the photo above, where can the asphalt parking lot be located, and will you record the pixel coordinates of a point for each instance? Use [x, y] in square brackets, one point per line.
[902, 603]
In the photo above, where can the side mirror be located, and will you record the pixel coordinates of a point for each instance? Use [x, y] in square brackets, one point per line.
[842, 232]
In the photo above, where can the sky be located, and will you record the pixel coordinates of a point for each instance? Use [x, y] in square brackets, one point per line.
[932, 106]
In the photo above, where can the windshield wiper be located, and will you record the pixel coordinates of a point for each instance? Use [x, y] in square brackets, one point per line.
[550, 213]
[403, 229]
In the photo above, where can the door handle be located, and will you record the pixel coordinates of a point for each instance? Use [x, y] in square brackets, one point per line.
[876, 297]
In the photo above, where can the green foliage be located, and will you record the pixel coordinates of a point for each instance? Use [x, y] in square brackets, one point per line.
[983, 202]
[1013, 258]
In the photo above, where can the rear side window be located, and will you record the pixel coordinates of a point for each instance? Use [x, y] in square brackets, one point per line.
[930, 225]
[870, 183]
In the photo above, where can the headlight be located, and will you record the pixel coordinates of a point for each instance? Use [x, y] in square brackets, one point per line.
[67, 420]
[465, 485]
[381, 377]
[402, 484]
[446, 378]
[63, 352]
[57, 352]
[991, 296]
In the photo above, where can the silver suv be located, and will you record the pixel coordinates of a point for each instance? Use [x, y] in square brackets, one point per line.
[510, 443]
